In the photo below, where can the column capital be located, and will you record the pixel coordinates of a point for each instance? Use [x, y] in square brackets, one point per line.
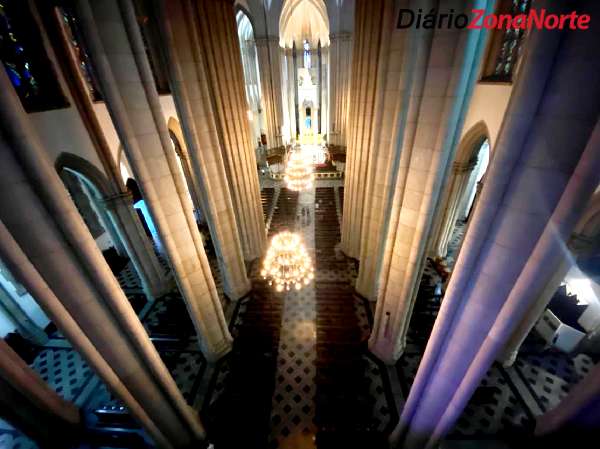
[464, 167]
[579, 243]
[119, 198]
[265, 40]
[342, 36]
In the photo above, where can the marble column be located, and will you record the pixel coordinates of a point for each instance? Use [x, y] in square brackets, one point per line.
[46, 246]
[546, 166]
[33, 406]
[220, 48]
[429, 122]
[117, 51]
[269, 65]
[191, 92]
[340, 64]
[461, 174]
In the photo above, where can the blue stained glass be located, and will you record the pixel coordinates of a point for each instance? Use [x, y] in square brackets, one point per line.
[25, 60]
[510, 47]
[71, 28]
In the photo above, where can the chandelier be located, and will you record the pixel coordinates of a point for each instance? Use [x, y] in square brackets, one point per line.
[298, 172]
[287, 263]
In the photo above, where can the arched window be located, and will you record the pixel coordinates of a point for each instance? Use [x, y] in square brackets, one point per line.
[306, 46]
[24, 58]
[504, 48]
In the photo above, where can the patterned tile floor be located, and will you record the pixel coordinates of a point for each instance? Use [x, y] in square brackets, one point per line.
[293, 406]
[507, 401]
[168, 324]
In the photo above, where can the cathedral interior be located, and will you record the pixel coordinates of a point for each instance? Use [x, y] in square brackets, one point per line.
[297, 224]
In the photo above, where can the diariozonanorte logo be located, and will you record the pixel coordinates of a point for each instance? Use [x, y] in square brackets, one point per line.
[479, 19]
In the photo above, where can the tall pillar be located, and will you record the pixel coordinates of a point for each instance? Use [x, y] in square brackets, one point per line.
[132, 238]
[323, 85]
[32, 406]
[340, 63]
[290, 92]
[137, 245]
[538, 305]
[429, 121]
[46, 246]
[25, 325]
[218, 41]
[269, 64]
[577, 245]
[370, 18]
[117, 51]
[461, 174]
[191, 92]
[546, 166]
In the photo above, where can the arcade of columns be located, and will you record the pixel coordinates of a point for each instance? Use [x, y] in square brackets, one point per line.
[399, 111]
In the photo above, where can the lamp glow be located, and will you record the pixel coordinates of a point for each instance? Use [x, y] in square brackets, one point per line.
[287, 264]
[298, 172]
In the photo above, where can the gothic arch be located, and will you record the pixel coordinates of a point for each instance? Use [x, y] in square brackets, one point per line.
[238, 8]
[177, 134]
[470, 142]
[588, 227]
[303, 17]
[85, 169]
[459, 184]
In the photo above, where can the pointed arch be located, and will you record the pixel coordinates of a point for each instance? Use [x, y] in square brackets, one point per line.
[471, 141]
[85, 169]
[304, 19]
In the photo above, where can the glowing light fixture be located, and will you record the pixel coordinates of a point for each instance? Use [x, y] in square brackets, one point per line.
[299, 171]
[287, 263]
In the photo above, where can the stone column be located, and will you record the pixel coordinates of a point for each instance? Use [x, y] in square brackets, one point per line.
[324, 102]
[137, 245]
[461, 174]
[546, 166]
[578, 244]
[117, 51]
[540, 302]
[220, 47]
[269, 65]
[25, 325]
[31, 405]
[366, 88]
[132, 238]
[340, 63]
[429, 124]
[191, 92]
[46, 246]
[291, 92]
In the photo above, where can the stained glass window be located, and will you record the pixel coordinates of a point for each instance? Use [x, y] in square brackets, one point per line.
[24, 58]
[505, 45]
[307, 62]
[73, 33]
[150, 35]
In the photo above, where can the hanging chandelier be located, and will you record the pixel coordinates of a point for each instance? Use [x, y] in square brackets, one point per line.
[287, 263]
[299, 171]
